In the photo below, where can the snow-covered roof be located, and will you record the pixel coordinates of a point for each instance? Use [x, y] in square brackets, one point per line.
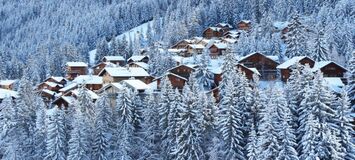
[114, 58]
[69, 99]
[232, 32]
[224, 25]
[136, 58]
[290, 62]
[142, 65]
[125, 72]
[92, 94]
[197, 46]
[57, 79]
[108, 64]
[76, 64]
[334, 83]
[280, 25]
[215, 28]
[215, 70]
[220, 45]
[177, 50]
[53, 84]
[6, 93]
[48, 91]
[230, 40]
[321, 64]
[7, 82]
[255, 71]
[273, 58]
[181, 77]
[88, 79]
[245, 21]
[135, 84]
[69, 87]
[192, 66]
[118, 86]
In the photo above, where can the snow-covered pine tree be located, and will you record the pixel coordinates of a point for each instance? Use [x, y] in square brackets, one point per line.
[205, 78]
[209, 111]
[56, 143]
[344, 126]
[351, 81]
[320, 47]
[296, 38]
[165, 102]
[252, 144]
[287, 134]
[188, 135]
[85, 103]
[138, 146]
[40, 130]
[102, 50]
[80, 142]
[215, 151]
[124, 112]
[230, 123]
[103, 130]
[309, 140]
[113, 51]
[150, 124]
[270, 126]
[172, 128]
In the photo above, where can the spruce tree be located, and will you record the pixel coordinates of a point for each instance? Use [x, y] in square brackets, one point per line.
[296, 38]
[40, 130]
[320, 48]
[103, 130]
[56, 136]
[351, 81]
[102, 49]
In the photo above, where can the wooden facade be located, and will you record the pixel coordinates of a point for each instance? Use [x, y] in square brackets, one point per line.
[286, 72]
[175, 80]
[224, 26]
[244, 25]
[117, 60]
[216, 50]
[211, 32]
[144, 59]
[183, 70]
[73, 72]
[265, 65]
[52, 86]
[181, 44]
[333, 70]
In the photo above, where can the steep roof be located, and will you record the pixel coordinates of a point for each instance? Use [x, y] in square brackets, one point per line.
[290, 62]
[88, 79]
[135, 84]
[273, 58]
[57, 79]
[76, 64]
[321, 64]
[137, 58]
[113, 58]
[224, 25]
[125, 72]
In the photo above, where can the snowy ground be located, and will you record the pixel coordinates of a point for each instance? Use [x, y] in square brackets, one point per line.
[129, 34]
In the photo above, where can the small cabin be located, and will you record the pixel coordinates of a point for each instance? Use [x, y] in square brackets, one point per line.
[244, 25]
[211, 32]
[330, 69]
[52, 86]
[142, 58]
[92, 82]
[194, 48]
[74, 69]
[175, 80]
[8, 84]
[181, 44]
[286, 67]
[266, 65]
[183, 70]
[216, 49]
[224, 26]
[123, 73]
[117, 60]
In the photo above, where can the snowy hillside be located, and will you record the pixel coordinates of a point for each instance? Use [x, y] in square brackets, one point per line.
[131, 34]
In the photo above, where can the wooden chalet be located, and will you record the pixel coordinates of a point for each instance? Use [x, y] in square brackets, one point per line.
[232, 34]
[266, 65]
[99, 67]
[224, 26]
[181, 44]
[48, 95]
[58, 80]
[249, 72]
[91, 82]
[216, 49]
[286, 67]
[69, 98]
[211, 32]
[123, 73]
[183, 70]
[175, 80]
[193, 48]
[244, 25]
[51, 86]
[330, 69]
[117, 60]
[7, 84]
[141, 58]
[111, 89]
[74, 69]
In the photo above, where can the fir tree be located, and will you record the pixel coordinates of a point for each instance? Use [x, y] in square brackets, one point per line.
[103, 130]
[40, 130]
[56, 136]
[252, 144]
[309, 140]
[102, 50]
[320, 52]
[351, 81]
[296, 38]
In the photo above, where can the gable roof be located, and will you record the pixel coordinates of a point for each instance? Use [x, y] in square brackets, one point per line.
[88, 79]
[69, 87]
[76, 64]
[224, 25]
[7, 82]
[196, 46]
[125, 72]
[6, 93]
[245, 21]
[57, 79]
[91, 93]
[192, 66]
[141, 64]
[291, 62]
[137, 58]
[52, 84]
[113, 58]
[135, 84]
[273, 58]
[219, 45]
[321, 64]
